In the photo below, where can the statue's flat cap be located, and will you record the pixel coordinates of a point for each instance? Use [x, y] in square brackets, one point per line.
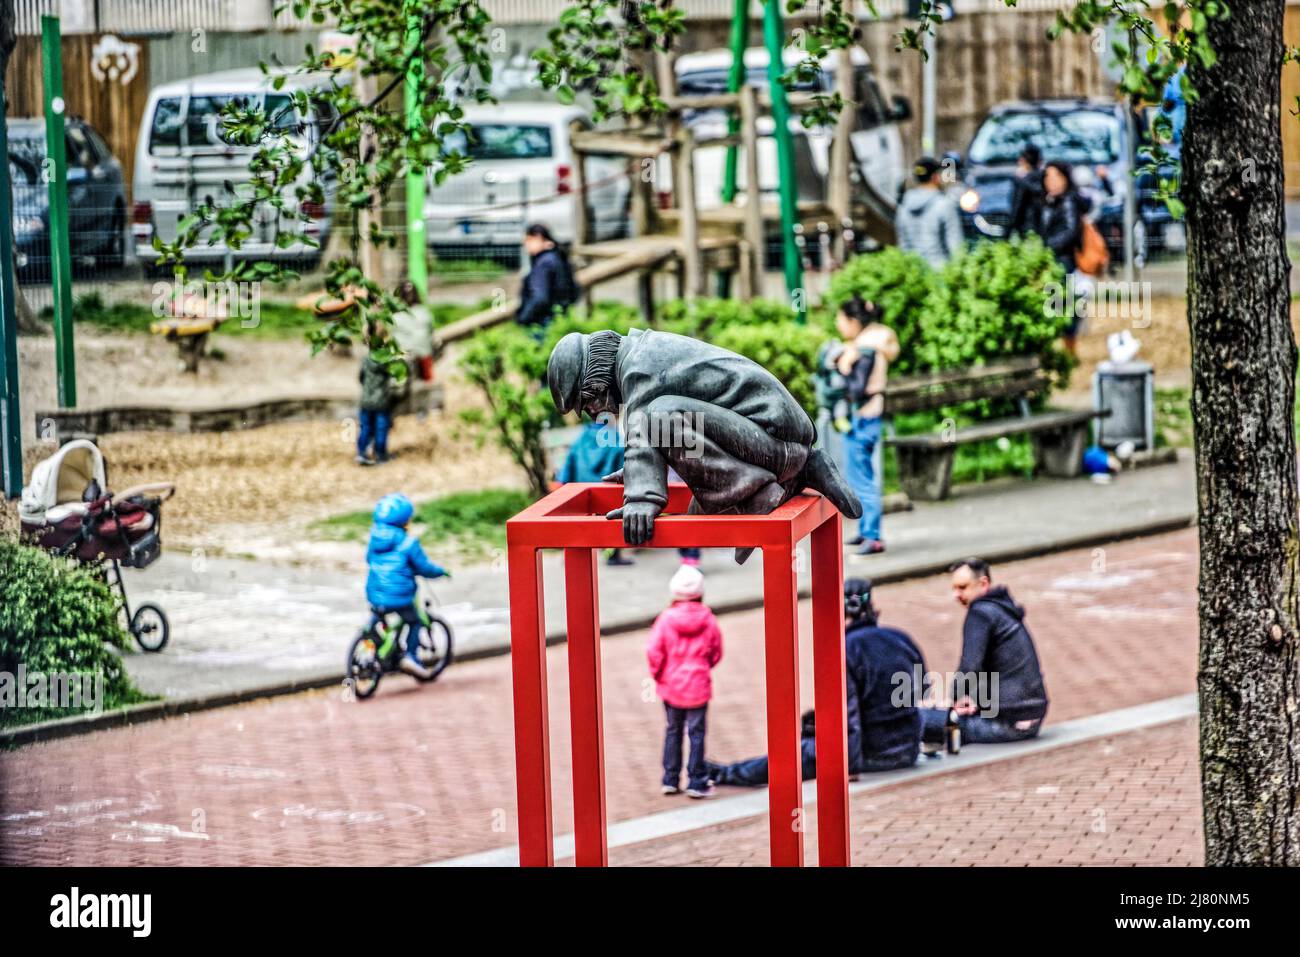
[564, 371]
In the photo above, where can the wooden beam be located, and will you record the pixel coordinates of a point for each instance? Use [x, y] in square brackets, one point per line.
[625, 143]
[693, 277]
[579, 188]
[839, 191]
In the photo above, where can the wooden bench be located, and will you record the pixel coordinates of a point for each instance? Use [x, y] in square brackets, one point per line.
[925, 461]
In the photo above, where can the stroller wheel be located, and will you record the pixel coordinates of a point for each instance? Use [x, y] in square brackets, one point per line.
[149, 626]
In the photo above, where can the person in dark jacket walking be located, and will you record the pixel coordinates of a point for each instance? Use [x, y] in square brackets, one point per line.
[549, 285]
[1027, 191]
[884, 723]
[998, 691]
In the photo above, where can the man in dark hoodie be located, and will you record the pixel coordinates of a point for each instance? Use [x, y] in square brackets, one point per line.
[884, 724]
[998, 691]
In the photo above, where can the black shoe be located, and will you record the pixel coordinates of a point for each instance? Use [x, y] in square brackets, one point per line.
[854, 542]
[616, 558]
[871, 547]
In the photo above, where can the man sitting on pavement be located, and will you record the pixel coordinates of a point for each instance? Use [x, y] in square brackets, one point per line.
[998, 690]
[884, 724]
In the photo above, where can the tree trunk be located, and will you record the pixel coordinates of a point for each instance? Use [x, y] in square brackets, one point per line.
[1243, 393]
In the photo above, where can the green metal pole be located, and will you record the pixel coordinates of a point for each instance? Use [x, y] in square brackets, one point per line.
[736, 76]
[11, 440]
[774, 39]
[417, 266]
[57, 176]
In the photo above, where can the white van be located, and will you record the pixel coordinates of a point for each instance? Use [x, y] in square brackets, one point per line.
[521, 172]
[181, 158]
[877, 142]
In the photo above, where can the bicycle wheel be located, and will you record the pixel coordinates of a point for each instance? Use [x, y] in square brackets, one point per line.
[364, 669]
[149, 626]
[436, 646]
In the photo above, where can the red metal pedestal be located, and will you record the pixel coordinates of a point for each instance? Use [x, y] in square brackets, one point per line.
[573, 518]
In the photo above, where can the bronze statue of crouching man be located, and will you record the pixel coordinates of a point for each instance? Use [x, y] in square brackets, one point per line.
[727, 426]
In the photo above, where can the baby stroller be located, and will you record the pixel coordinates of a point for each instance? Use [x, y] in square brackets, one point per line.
[69, 511]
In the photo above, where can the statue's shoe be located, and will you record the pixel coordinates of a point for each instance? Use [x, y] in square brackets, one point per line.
[821, 475]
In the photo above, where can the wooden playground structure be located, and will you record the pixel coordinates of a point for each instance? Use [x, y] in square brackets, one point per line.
[729, 240]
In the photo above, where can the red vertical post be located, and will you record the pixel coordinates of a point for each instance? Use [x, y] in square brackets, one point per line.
[532, 727]
[784, 764]
[829, 695]
[591, 847]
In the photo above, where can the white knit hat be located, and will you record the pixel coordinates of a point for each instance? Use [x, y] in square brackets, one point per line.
[687, 583]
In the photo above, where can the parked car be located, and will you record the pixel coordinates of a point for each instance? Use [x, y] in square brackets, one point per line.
[96, 198]
[521, 172]
[877, 141]
[1089, 135]
[181, 157]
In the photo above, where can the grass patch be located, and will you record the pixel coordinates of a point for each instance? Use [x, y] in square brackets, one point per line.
[452, 271]
[1173, 418]
[473, 523]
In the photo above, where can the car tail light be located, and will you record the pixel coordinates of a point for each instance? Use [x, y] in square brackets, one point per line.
[142, 213]
[562, 174]
[313, 210]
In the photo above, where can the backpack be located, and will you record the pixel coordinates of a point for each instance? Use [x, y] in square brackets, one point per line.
[1092, 257]
[567, 290]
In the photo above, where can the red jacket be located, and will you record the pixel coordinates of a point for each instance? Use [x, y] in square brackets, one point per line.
[685, 643]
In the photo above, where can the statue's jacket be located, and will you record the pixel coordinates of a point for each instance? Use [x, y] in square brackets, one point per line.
[664, 366]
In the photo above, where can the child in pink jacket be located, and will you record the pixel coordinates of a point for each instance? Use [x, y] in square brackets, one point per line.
[685, 643]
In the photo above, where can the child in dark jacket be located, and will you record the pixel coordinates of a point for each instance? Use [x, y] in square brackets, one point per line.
[396, 559]
[685, 644]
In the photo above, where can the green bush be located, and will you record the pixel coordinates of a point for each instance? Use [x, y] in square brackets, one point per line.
[55, 617]
[993, 303]
[786, 349]
[900, 283]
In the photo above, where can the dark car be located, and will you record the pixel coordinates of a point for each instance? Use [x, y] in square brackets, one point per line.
[1090, 135]
[96, 198]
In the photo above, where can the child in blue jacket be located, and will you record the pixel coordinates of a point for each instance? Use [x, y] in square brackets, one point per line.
[396, 558]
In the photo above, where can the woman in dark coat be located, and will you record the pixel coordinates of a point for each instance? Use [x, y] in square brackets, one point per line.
[1060, 216]
[549, 284]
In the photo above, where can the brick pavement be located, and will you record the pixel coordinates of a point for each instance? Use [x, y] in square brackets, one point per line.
[1126, 800]
[422, 773]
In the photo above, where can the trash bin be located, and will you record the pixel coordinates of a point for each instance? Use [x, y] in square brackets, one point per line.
[1128, 390]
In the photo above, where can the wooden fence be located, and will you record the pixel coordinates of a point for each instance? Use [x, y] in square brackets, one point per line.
[111, 107]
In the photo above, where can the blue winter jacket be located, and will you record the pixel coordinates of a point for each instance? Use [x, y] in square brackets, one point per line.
[395, 559]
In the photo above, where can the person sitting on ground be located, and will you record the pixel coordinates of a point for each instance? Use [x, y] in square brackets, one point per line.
[396, 559]
[685, 645]
[999, 665]
[596, 452]
[884, 722]
[927, 222]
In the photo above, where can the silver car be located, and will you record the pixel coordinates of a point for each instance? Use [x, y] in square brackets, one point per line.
[521, 172]
[181, 158]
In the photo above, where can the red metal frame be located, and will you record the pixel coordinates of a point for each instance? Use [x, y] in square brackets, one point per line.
[573, 518]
